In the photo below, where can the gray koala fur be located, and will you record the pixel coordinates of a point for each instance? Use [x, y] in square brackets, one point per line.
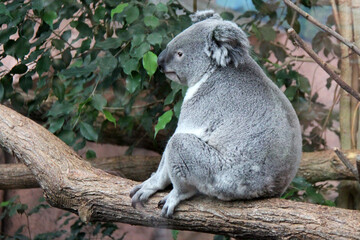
[238, 137]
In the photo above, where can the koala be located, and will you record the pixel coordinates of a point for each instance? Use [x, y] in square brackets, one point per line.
[238, 136]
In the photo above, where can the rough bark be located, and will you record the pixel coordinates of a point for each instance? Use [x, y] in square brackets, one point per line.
[346, 74]
[137, 168]
[73, 184]
[314, 167]
[356, 19]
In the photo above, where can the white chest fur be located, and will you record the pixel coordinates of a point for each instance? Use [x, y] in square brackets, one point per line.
[187, 127]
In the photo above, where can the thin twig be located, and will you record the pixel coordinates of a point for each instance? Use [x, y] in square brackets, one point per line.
[358, 165]
[346, 162]
[353, 140]
[336, 14]
[351, 45]
[323, 64]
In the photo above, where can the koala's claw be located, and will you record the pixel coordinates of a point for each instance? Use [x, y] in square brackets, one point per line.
[135, 189]
[168, 203]
[140, 194]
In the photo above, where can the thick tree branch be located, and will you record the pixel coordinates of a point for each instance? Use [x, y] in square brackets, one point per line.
[314, 167]
[71, 183]
[323, 64]
[351, 45]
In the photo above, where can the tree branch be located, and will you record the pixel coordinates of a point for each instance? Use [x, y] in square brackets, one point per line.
[347, 163]
[351, 45]
[71, 183]
[323, 64]
[314, 167]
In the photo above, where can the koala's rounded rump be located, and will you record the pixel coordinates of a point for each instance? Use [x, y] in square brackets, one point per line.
[238, 136]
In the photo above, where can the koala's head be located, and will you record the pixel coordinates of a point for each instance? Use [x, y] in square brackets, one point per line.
[209, 42]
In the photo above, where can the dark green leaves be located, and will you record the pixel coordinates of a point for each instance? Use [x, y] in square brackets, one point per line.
[19, 69]
[133, 83]
[88, 131]
[43, 64]
[132, 13]
[98, 102]
[109, 43]
[151, 21]
[26, 83]
[49, 17]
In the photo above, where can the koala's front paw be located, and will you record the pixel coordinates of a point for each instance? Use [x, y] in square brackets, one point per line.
[140, 194]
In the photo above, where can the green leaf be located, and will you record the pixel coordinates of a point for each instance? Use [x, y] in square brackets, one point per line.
[19, 69]
[37, 4]
[4, 10]
[6, 33]
[154, 38]
[43, 65]
[130, 65]
[60, 109]
[268, 33]
[49, 17]
[119, 9]
[160, 7]
[151, 21]
[177, 108]
[66, 57]
[58, 44]
[109, 43]
[318, 42]
[137, 39]
[132, 13]
[56, 124]
[88, 132]
[68, 137]
[133, 83]
[174, 234]
[304, 84]
[99, 14]
[150, 63]
[66, 35]
[58, 88]
[227, 16]
[328, 83]
[107, 64]
[85, 45]
[290, 92]
[98, 102]
[22, 47]
[27, 29]
[84, 30]
[90, 154]
[109, 117]
[26, 83]
[163, 121]
[139, 52]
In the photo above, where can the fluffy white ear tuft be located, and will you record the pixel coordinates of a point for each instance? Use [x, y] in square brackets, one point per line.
[203, 15]
[226, 44]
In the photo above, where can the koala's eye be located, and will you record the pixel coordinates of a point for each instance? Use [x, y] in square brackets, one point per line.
[180, 54]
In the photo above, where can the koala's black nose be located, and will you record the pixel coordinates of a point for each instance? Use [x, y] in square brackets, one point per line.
[161, 61]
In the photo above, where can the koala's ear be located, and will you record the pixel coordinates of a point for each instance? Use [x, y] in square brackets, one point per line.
[203, 15]
[226, 44]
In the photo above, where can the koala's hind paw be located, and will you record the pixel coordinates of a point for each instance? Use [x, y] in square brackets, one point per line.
[140, 194]
[168, 203]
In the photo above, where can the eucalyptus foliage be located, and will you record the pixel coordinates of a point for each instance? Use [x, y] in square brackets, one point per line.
[92, 58]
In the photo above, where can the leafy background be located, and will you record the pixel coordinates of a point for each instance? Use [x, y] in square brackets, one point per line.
[84, 67]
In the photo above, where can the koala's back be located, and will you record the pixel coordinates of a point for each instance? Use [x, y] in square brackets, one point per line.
[243, 115]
